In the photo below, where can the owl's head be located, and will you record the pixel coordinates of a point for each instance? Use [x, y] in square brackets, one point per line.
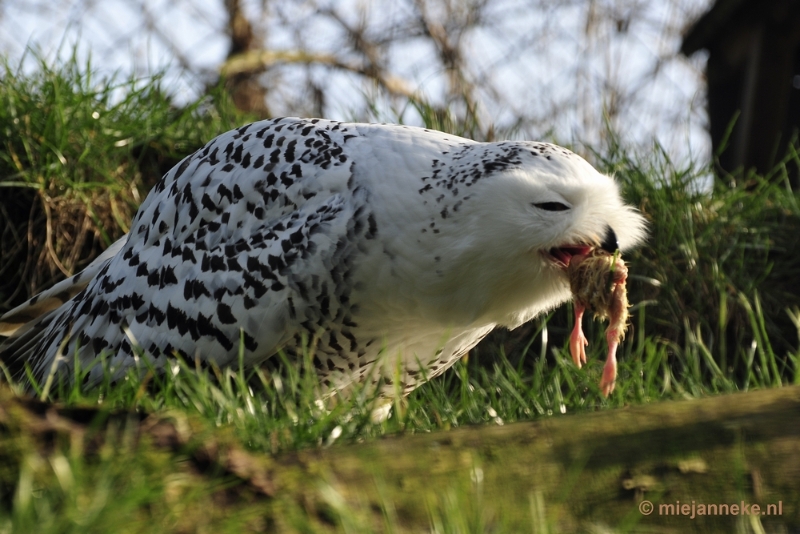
[543, 206]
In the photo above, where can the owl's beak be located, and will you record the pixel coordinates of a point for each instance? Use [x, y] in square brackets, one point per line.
[562, 256]
[610, 243]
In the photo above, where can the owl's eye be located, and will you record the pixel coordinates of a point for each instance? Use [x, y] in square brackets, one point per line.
[552, 206]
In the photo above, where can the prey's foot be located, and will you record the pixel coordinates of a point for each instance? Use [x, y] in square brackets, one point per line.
[577, 341]
[610, 368]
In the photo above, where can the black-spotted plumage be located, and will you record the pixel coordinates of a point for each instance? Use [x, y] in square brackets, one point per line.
[392, 249]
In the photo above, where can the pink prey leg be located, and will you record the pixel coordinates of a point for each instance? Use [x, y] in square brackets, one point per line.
[610, 368]
[577, 341]
[616, 328]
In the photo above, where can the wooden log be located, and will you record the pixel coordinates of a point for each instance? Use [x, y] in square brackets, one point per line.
[707, 465]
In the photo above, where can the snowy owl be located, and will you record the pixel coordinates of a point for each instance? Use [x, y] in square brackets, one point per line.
[394, 248]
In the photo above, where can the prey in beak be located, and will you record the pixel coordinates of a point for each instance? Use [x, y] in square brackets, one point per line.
[562, 256]
[597, 277]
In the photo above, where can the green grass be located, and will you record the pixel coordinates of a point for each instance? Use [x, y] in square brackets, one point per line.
[715, 311]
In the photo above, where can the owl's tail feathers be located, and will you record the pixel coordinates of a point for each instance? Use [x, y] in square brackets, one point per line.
[53, 298]
[46, 301]
[23, 346]
[24, 326]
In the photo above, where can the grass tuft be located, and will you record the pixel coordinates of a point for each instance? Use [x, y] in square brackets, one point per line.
[77, 156]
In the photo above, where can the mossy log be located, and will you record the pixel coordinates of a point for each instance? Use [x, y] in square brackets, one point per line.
[589, 472]
[582, 472]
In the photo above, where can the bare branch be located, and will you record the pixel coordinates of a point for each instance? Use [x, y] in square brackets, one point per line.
[260, 60]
